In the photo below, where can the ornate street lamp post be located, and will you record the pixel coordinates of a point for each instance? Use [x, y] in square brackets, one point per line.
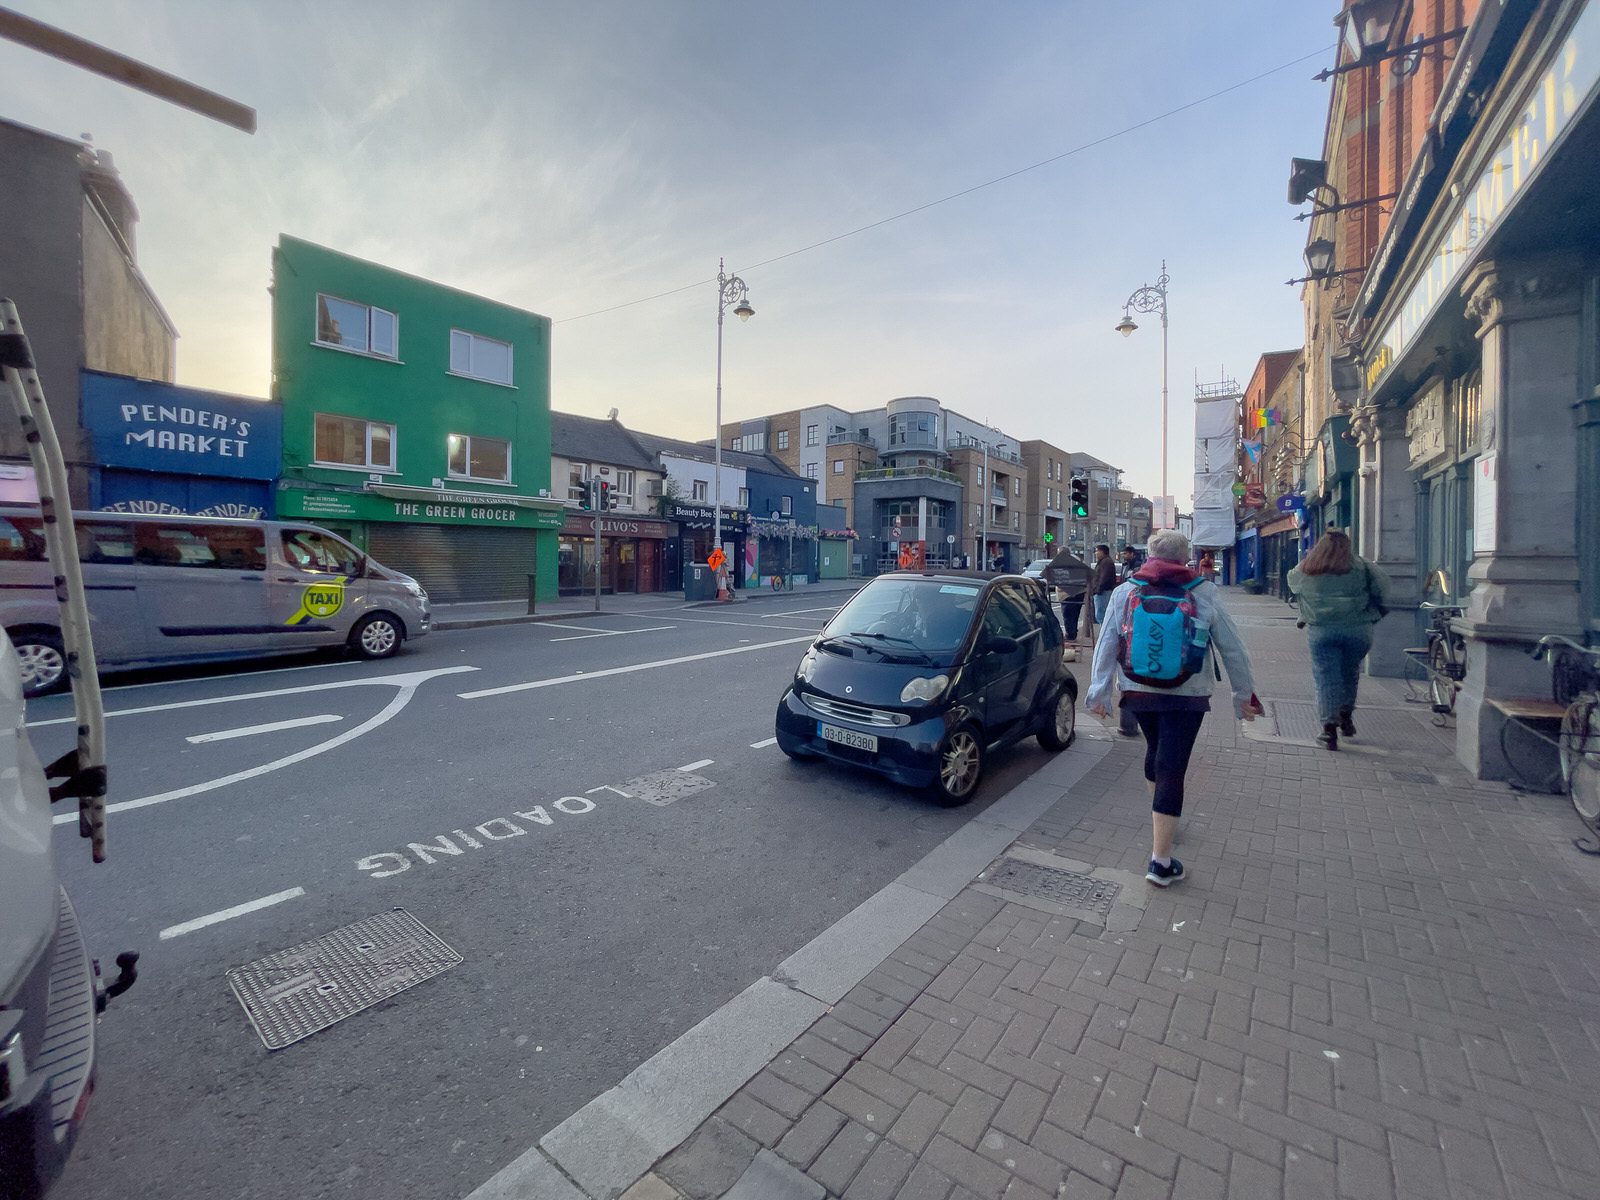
[1153, 299]
[730, 290]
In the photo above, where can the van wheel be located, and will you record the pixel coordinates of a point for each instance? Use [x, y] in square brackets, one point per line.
[43, 660]
[960, 766]
[1062, 726]
[376, 636]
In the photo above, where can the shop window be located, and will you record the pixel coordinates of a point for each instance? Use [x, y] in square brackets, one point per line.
[359, 328]
[352, 442]
[478, 357]
[488, 459]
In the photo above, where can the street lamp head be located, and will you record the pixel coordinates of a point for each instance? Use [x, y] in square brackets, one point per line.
[744, 312]
[1126, 325]
[1319, 257]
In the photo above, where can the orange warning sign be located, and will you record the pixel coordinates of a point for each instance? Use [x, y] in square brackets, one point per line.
[716, 558]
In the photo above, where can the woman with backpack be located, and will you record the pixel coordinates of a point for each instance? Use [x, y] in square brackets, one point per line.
[1163, 627]
[1341, 596]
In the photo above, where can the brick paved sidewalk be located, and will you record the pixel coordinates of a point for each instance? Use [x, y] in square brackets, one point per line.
[1380, 979]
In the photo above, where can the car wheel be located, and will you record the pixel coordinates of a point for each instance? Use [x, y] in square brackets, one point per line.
[960, 766]
[42, 659]
[1062, 726]
[376, 636]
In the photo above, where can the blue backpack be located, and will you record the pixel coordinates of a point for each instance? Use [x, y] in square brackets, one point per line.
[1164, 641]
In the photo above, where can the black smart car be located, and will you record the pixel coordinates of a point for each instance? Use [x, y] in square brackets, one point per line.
[920, 675]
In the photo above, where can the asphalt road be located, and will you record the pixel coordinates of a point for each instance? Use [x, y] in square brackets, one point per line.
[593, 937]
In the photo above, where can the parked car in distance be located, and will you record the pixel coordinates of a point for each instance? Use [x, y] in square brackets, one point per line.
[194, 589]
[922, 675]
[1039, 569]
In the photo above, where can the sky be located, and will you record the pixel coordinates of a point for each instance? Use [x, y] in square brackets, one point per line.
[572, 158]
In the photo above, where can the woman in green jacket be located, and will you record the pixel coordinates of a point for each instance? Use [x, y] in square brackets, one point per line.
[1341, 596]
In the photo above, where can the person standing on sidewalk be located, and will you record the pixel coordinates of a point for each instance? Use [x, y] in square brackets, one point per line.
[1341, 596]
[1169, 710]
[1104, 581]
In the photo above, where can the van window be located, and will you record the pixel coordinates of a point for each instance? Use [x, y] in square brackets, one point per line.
[21, 539]
[105, 541]
[312, 551]
[219, 547]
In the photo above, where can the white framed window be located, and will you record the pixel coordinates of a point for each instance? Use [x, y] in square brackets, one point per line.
[786, 505]
[980, 476]
[1016, 486]
[811, 470]
[623, 489]
[838, 466]
[811, 435]
[577, 476]
[359, 328]
[352, 442]
[479, 357]
[699, 489]
[744, 497]
[488, 459]
[783, 439]
[736, 443]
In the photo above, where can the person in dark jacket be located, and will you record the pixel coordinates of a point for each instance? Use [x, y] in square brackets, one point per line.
[1104, 581]
[1341, 596]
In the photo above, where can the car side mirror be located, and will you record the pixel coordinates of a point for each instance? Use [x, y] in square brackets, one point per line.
[1000, 645]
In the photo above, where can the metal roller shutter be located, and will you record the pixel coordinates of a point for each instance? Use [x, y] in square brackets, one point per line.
[456, 563]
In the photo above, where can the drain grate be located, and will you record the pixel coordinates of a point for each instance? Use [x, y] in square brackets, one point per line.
[303, 990]
[662, 788]
[1054, 884]
[1295, 719]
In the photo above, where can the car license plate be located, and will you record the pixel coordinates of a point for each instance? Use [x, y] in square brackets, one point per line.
[847, 737]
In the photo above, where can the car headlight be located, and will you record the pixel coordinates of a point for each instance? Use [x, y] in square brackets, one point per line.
[415, 589]
[927, 688]
[807, 667]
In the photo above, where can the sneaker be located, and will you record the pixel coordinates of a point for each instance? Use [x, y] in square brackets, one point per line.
[1329, 737]
[1347, 725]
[1164, 876]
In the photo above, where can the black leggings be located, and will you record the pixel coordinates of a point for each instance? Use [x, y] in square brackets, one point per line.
[1168, 741]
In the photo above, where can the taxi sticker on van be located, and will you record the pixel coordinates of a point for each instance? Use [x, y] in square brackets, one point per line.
[321, 600]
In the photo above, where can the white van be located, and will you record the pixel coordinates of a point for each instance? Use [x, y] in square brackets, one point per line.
[192, 589]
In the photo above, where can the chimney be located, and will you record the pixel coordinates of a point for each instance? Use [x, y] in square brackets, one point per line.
[102, 181]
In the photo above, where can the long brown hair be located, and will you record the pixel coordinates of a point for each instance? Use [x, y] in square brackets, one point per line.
[1332, 555]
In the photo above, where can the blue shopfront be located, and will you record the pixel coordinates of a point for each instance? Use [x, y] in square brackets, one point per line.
[160, 448]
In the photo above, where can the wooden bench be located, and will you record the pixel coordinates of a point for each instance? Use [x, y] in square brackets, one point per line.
[1528, 710]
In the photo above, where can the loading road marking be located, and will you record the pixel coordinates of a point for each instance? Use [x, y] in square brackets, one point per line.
[225, 735]
[406, 684]
[697, 764]
[227, 914]
[557, 680]
[579, 637]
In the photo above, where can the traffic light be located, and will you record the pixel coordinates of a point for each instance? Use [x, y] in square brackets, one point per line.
[605, 497]
[586, 497]
[1080, 498]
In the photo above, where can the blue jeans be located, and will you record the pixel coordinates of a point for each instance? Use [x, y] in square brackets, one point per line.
[1101, 599]
[1336, 654]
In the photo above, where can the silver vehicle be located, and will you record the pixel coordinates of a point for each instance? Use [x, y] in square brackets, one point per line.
[190, 589]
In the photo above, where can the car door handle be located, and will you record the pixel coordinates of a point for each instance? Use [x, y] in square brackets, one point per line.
[287, 579]
[252, 578]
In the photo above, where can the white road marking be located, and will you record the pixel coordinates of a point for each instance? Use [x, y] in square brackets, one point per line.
[579, 637]
[762, 745]
[697, 764]
[392, 680]
[227, 914]
[566, 625]
[606, 787]
[557, 680]
[746, 624]
[225, 735]
[406, 684]
[795, 612]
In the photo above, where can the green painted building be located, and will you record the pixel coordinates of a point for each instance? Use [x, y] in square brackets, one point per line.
[416, 423]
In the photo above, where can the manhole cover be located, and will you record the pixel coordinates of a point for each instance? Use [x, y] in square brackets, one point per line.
[664, 787]
[1295, 719]
[1054, 884]
[302, 990]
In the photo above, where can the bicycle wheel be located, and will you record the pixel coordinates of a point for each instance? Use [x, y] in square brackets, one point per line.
[1441, 677]
[1532, 757]
[1580, 757]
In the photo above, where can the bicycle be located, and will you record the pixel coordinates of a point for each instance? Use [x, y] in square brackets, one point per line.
[1444, 659]
[1575, 688]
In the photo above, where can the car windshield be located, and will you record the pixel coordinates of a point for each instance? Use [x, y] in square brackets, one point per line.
[1036, 567]
[896, 616]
